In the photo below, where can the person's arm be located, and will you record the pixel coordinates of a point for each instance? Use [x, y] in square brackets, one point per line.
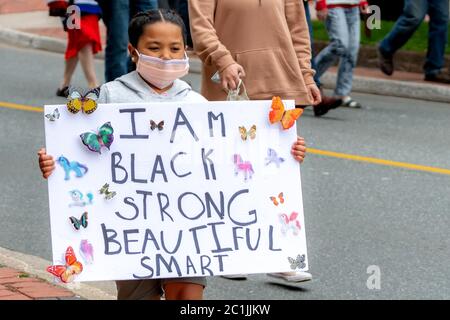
[103, 95]
[208, 46]
[296, 20]
[206, 42]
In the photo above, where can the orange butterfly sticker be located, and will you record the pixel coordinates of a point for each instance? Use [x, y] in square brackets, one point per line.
[67, 272]
[276, 201]
[279, 114]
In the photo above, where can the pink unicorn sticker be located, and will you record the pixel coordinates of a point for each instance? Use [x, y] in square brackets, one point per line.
[244, 166]
[289, 223]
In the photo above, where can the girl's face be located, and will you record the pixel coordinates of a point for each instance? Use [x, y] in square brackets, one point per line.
[162, 40]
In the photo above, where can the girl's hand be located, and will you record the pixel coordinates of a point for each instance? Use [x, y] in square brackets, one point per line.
[230, 76]
[46, 163]
[314, 93]
[299, 149]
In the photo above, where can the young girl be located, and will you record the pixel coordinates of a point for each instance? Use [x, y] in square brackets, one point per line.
[83, 41]
[156, 37]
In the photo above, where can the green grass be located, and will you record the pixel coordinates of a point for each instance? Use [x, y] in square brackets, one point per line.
[23, 275]
[417, 43]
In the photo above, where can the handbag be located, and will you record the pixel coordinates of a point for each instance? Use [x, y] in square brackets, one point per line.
[236, 95]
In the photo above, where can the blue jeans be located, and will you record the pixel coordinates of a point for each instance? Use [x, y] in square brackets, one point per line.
[413, 14]
[181, 7]
[117, 15]
[343, 27]
[311, 36]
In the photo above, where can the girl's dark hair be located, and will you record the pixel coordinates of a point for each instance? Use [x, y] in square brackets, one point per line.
[140, 20]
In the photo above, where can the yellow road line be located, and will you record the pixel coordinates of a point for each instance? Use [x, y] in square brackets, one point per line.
[20, 107]
[332, 154]
[383, 162]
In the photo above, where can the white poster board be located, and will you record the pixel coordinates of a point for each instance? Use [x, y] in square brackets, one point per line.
[181, 209]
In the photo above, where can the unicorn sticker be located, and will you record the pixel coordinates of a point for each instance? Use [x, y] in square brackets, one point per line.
[244, 166]
[68, 166]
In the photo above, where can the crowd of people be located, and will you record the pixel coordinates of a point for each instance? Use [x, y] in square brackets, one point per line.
[341, 19]
[265, 44]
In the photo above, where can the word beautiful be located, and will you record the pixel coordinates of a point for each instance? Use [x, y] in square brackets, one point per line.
[181, 232]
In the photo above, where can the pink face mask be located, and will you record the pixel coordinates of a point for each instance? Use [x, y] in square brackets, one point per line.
[161, 73]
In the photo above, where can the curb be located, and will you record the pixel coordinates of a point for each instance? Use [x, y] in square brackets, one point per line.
[36, 266]
[361, 84]
[30, 40]
[394, 88]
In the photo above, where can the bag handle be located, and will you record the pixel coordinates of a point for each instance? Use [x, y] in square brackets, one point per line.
[235, 95]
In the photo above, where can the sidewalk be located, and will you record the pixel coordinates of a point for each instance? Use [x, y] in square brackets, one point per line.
[24, 277]
[17, 285]
[26, 23]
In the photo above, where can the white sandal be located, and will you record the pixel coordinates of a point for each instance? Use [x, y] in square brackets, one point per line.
[350, 103]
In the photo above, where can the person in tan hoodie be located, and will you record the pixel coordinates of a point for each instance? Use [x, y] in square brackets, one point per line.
[263, 42]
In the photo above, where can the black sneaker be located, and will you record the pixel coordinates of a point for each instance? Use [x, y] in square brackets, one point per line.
[439, 77]
[386, 63]
[64, 92]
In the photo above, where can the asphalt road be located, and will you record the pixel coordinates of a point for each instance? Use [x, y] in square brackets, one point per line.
[357, 214]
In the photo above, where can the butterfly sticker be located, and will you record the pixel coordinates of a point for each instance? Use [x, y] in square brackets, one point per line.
[86, 102]
[277, 200]
[251, 133]
[78, 223]
[108, 194]
[279, 114]
[154, 125]
[53, 116]
[289, 223]
[66, 273]
[272, 157]
[87, 251]
[95, 141]
[298, 263]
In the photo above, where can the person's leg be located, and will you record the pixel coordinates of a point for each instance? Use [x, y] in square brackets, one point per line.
[142, 5]
[348, 60]
[183, 291]
[437, 39]
[311, 37]
[327, 103]
[413, 14]
[338, 34]
[181, 6]
[86, 57]
[69, 69]
[139, 289]
[116, 18]
[164, 4]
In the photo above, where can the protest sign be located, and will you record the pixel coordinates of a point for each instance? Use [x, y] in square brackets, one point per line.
[189, 192]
